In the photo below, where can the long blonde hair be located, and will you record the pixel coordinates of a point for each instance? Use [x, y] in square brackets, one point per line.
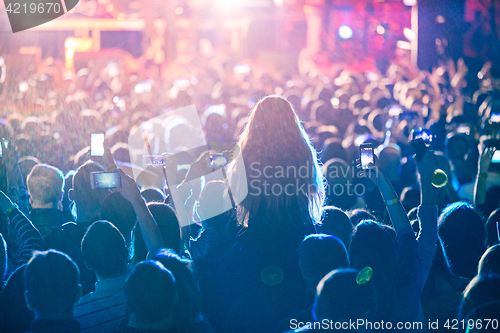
[275, 144]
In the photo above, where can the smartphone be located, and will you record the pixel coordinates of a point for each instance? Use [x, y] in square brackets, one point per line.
[6, 145]
[97, 144]
[463, 129]
[182, 83]
[155, 161]
[496, 157]
[423, 134]
[366, 153]
[105, 180]
[395, 111]
[142, 87]
[241, 69]
[421, 140]
[495, 117]
[217, 160]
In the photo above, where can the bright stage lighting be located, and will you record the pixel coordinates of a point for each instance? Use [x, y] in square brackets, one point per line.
[345, 32]
[410, 2]
[410, 34]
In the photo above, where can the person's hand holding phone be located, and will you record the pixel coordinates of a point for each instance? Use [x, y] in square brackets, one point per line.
[482, 175]
[396, 211]
[107, 160]
[129, 189]
[150, 232]
[485, 160]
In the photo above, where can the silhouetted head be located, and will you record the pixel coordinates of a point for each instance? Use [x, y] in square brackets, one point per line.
[167, 222]
[52, 286]
[491, 228]
[332, 148]
[457, 147]
[318, 255]
[88, 201]
[372, 246]
[119, 211]
[482, 289]
[463, 233]
[482, 312]
[188, 310]
[213, 200]
[150, 292]
[336, 223]
[104, 250]
[343, 296]
[338, 176]
[357, 215]
[390, 160]
[153, 195]
[490, 261]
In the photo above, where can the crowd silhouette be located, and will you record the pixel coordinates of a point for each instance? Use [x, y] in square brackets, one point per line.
[301, 252]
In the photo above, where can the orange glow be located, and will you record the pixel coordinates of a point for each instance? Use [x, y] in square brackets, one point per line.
[73, 45]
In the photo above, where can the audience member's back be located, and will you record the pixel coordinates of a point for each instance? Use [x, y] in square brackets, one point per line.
[104, 252]
[318, 255]
[169, 227]
[372, 246]
[463, 233]
[151, 298]
[482, 289]
[336, 223]
[45, 187]
[490, 261]
[344, 295]
[88, 204]
[119, 211]
[51, 280]
[188, 311]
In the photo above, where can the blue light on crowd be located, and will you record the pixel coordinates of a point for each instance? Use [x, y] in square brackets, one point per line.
[345, 32]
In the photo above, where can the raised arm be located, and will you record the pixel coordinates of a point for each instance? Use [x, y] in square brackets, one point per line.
[396, 211]
[482, 176]
[150, 231]
[16, 189]
[427, 212]
[25, 232]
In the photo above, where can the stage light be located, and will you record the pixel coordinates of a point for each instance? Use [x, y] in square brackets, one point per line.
[410, 2]
[380, 30]
[410, 34]
[278, 3]
[403, 45]
[179, 10]
[345, 32]
[440, 19]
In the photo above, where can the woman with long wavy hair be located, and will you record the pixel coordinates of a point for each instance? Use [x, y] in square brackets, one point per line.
[260, 282]
[285, 184]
